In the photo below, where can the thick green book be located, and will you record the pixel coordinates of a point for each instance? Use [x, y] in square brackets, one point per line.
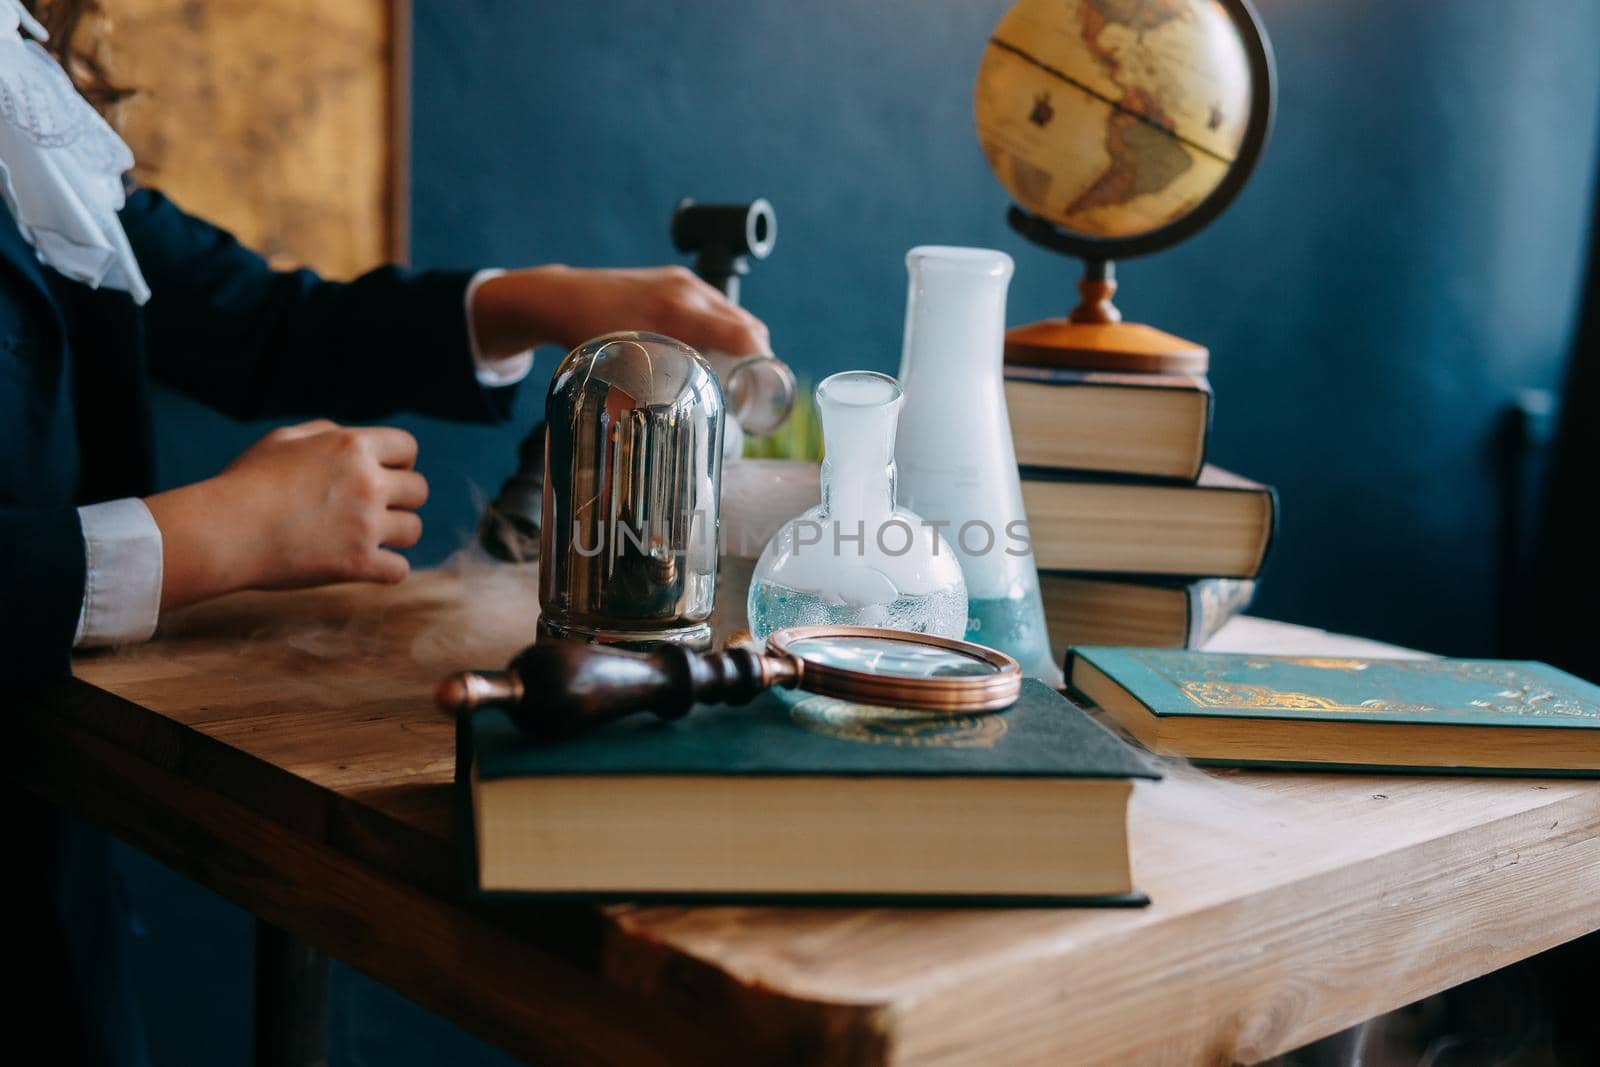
[1478, 716]
[798, 795]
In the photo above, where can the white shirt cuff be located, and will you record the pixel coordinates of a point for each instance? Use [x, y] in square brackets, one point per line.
[122, 575]
[493, 373]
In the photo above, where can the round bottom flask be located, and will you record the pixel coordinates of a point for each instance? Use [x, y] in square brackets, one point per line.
[856, 559]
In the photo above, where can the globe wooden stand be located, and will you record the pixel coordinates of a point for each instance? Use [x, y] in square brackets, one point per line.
[1094, 337]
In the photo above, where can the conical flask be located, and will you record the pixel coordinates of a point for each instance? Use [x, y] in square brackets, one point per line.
[856, 559]
[957, 463]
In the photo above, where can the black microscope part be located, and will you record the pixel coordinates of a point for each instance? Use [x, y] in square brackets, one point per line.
[724, 237]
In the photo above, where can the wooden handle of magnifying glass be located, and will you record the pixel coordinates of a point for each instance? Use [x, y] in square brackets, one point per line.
[557, 688]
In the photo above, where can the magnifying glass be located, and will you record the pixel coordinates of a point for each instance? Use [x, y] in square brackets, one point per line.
[558, 688]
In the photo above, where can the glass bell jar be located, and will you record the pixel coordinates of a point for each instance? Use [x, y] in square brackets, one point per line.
[856, 559]
[957, 463]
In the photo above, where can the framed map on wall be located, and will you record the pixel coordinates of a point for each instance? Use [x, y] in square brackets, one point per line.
[283, 120]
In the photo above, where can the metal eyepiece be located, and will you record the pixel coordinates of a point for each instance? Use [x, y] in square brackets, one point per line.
[724, 237]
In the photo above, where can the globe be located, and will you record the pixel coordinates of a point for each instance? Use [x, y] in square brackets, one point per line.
[1116, 119]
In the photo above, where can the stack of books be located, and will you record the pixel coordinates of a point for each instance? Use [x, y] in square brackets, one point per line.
[1138, 540]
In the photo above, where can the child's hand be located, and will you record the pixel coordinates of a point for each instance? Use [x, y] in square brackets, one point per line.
[565, 306]
[305, 505]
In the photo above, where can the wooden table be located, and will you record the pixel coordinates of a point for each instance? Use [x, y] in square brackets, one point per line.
[282, 750]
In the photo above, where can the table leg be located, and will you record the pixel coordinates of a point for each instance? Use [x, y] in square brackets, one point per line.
[291, 1000]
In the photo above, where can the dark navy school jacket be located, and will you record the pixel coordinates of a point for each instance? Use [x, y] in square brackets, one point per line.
[76, 367]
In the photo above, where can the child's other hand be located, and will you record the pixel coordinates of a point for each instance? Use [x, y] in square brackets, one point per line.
[306, 505]
[328, 498]
[567, 306]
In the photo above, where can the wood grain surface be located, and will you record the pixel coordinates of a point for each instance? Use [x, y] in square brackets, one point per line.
[283, 750]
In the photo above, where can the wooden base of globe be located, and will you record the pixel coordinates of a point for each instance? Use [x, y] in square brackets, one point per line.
[1113, 346]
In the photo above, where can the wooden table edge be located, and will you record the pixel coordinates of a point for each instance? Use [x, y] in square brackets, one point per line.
[165, 786]
[568, 1008]
[1274, 966]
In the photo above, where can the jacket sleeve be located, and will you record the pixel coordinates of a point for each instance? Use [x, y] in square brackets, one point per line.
[224, 327]
[41, 590]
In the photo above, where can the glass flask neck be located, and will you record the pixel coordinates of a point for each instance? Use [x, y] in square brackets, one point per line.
[957, 296]
[860, 411]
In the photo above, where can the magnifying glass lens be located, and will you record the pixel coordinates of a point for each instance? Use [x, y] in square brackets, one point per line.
[897, 669]
[897, 659]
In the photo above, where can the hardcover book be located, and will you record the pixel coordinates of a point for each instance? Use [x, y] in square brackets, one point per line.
[1150, 612]
[803, 796]
[1421, 714]
[1153, 425]
[1220, 527]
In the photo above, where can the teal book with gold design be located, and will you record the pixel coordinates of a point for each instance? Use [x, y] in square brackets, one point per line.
[803, 796]
[1437, 715]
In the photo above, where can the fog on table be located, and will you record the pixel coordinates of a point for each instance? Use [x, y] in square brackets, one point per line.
[1113, 118]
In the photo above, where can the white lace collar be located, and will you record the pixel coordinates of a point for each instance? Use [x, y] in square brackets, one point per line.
[61, 166]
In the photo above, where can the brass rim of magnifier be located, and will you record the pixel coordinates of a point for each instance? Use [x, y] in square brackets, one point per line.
[987, 692]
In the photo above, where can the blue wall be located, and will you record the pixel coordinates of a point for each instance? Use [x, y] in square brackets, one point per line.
[1406, 258]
